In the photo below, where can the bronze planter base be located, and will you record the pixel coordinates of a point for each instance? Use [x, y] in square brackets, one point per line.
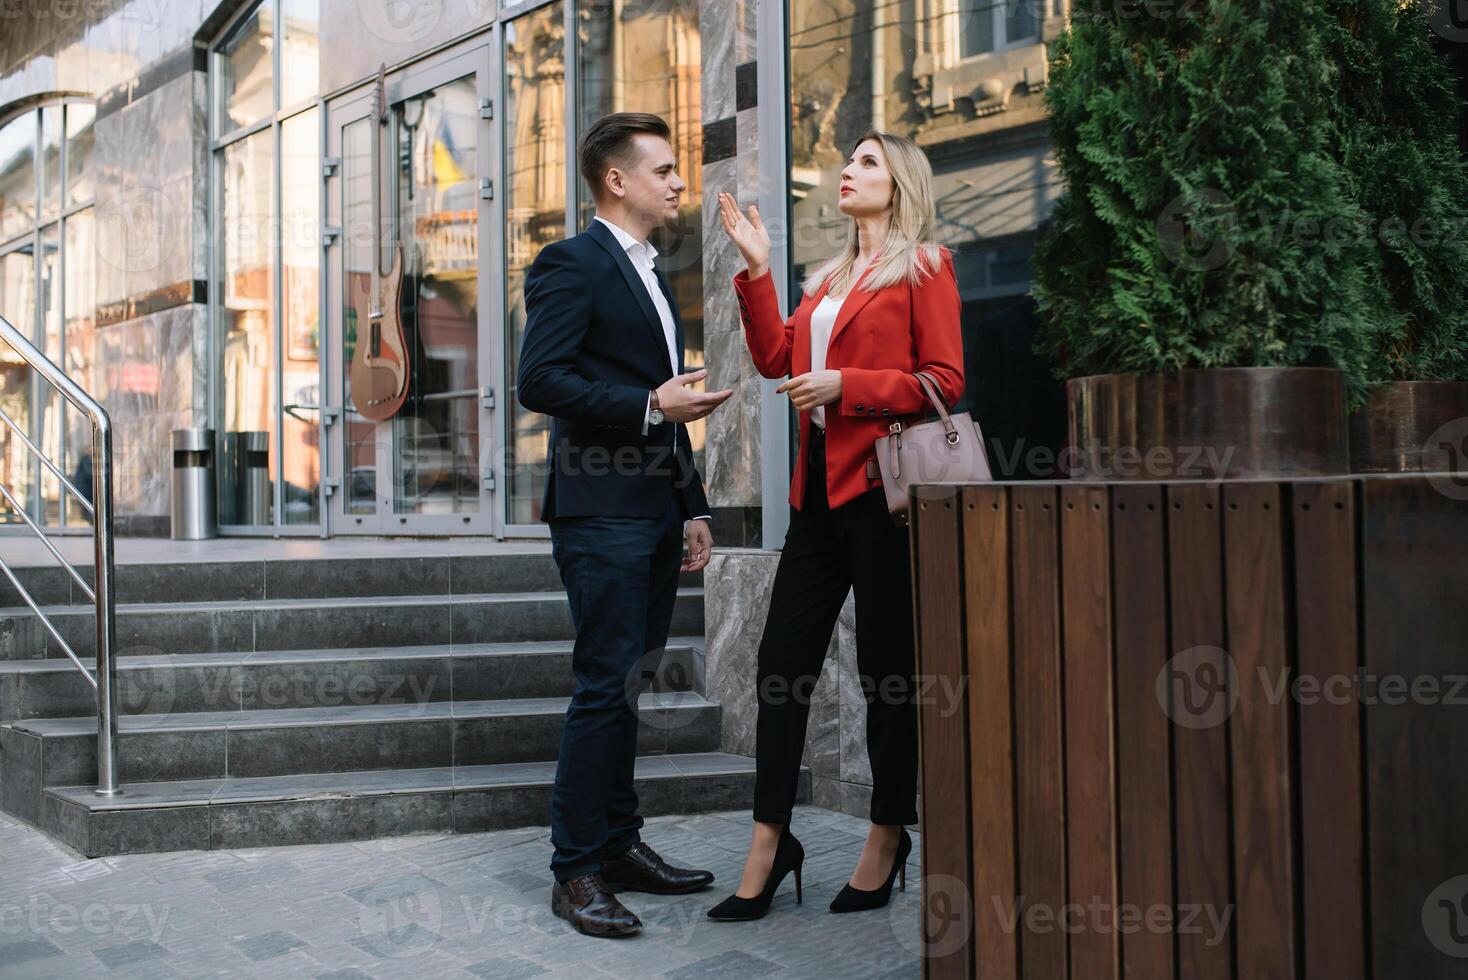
[1412, 426]
[1208, 424]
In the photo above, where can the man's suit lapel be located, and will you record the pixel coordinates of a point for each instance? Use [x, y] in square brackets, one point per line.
[603, 236]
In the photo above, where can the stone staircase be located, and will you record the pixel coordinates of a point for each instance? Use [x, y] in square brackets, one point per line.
[291, 701]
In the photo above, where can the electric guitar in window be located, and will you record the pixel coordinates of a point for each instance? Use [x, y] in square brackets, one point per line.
[379, 370]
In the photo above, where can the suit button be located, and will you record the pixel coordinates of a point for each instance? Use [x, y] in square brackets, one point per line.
[860, 410]
[886, 411]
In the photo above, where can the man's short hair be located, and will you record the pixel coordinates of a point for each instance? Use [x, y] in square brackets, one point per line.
[610, 141]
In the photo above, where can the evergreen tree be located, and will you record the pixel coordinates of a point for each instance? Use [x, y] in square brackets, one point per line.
[1396, 120]
[1206, 221]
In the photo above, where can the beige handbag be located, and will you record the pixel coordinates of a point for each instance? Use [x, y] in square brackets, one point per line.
[949, 449]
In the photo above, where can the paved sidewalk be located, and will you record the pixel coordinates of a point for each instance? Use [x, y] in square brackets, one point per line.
[437, 906]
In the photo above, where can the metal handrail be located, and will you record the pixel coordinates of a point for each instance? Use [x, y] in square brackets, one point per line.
[102, 592]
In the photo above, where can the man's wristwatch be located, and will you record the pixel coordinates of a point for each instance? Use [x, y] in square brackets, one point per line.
[654, 414]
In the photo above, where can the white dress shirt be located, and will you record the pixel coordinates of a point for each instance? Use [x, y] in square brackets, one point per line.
[642, 255]
[822, 319]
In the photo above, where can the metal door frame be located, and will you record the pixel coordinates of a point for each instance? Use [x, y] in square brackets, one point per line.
[477, 56]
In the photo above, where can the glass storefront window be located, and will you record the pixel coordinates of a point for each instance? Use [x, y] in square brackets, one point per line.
[871, 68]
[50, 159]
[360, 442]
[18, 175]
[18, 306]
[645, 57]
[535, 216]
[300, 315]
[246, 78]
[267, 305]
[80, 337]
[47, 398]
[246, 494]
[44, 245]
[79, 138]
[300, 23]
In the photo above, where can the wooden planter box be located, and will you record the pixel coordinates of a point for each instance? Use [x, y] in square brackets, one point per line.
[1116, 746]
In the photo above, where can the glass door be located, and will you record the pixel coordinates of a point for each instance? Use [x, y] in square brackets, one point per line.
[411, 444]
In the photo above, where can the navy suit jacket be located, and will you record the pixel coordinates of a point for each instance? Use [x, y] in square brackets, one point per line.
[593, 350]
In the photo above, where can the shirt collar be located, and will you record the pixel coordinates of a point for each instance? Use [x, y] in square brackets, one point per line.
[628, 243]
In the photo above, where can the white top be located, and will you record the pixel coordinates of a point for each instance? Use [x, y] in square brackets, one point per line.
[822, 319]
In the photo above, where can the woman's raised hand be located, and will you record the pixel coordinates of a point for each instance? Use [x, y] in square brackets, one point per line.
[748, 233]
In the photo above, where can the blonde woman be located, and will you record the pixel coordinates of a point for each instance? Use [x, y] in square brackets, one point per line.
[885, 306]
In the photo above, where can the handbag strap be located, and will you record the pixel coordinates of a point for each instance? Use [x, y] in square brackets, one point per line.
[935, 395]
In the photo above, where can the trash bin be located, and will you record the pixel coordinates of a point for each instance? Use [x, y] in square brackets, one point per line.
[193, 485]
[255, 492]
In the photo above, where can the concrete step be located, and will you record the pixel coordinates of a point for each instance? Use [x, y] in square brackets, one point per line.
[260, 812]
[240, 626]
[305, 578]
[180, 683]
[289, 741]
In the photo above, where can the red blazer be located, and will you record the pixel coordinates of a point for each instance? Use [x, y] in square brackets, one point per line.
[878, 341]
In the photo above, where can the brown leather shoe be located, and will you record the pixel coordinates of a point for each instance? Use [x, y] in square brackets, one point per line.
[642, 870]
[589, 905]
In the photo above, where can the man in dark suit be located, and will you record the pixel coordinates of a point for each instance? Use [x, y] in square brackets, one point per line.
[603, 356]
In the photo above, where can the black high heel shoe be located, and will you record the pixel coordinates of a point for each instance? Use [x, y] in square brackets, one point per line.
[789, 856]
[856, 900]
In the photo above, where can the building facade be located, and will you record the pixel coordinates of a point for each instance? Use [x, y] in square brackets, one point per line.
[193, 196]
[189, 202]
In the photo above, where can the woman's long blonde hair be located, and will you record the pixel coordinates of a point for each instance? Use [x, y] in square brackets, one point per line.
[910, 251]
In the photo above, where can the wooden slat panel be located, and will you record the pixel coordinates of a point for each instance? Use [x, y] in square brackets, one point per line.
[1089, 753]
[1144, 779]
[1199, 708]
[991, 747]
[1259, 731]
[1331, 848]
[1414, 580]
[1039, 760]
[936, 540]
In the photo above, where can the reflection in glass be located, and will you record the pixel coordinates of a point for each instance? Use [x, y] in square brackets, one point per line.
[360, 439]
[853, 69]
[79, 138]
[300, 317]
[436, 434]
[18, 306]
[246, 92]
[535, 215]
[644, 57]
[49, 420]
[17, 175]
[244, 460]
[80, 340]
[50, 161]
[300, 22]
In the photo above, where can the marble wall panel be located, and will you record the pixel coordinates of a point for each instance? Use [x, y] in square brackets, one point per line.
[733, 478]
[716, 29]
[176, 359]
